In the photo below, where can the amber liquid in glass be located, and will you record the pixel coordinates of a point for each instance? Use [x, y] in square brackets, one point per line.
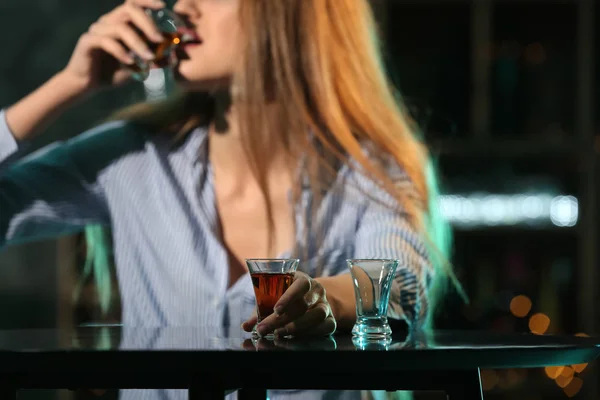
[162, 52]
[268, 288]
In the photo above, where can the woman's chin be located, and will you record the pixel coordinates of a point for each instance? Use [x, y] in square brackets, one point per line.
[193, 81]
[181, 75]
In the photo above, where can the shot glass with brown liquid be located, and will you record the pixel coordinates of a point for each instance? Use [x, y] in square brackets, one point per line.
[270, 279]
[172, 27]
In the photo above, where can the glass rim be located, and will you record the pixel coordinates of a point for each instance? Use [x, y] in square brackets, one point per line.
[355, 260]
[272, 260]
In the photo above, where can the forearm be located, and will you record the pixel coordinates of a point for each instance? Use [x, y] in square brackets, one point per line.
[340, 295]
[35, 112]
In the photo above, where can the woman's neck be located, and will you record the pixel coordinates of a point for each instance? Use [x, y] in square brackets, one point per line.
[226, 149]
[226, 144]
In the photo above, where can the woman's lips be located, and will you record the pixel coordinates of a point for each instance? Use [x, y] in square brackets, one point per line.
[189, 37]
[189, 45]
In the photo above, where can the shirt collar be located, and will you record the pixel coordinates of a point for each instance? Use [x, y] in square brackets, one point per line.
[195, 146]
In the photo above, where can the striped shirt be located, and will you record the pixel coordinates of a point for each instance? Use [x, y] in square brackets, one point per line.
[159, 201]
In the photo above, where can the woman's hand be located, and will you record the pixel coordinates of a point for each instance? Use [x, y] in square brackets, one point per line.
[97, 60]
[102, 52]
[303, 310]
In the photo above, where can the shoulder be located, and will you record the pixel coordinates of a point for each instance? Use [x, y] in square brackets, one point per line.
[95, 153]
[370, 184]
[120, 141]
[126, 146]
[111, 140]
[104, 142]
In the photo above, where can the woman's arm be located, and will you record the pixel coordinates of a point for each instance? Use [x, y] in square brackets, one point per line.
[58, 189]
[382, 233]
[340, 295]
[387, 235]
[98, 60]
[35, 112]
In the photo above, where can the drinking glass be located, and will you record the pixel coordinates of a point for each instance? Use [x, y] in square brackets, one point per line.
[270, 278]
[172, 27]
[372, 283]
[364, 343]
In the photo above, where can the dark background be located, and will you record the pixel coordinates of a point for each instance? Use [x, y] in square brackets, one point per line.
[506, 92]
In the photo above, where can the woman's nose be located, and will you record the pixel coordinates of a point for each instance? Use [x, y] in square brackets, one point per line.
[186, 8]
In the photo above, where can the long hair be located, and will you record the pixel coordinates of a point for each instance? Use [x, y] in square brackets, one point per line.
[311, 66]
[316, 66]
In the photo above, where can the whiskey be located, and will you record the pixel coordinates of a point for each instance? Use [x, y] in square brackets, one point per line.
[163, 54]
[171, 26]
[268, 289]
[162, 51]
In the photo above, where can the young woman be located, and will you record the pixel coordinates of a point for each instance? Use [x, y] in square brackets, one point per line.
[284, 139]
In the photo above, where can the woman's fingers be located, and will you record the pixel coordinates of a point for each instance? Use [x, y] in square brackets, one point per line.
[130, 25]
[294, 309]
[108, 45]
[126, 35]
[144, 23]
[316, 321]
[301, 310]
[155, 4]
[299, 288]
[304, 301]
[249, 324]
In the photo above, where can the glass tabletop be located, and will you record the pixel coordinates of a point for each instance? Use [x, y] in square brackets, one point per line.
[143, 350]
[204, 338]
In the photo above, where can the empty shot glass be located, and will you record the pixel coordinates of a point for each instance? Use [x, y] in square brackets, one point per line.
[270, 279]
[365, 343]
[372, 283]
